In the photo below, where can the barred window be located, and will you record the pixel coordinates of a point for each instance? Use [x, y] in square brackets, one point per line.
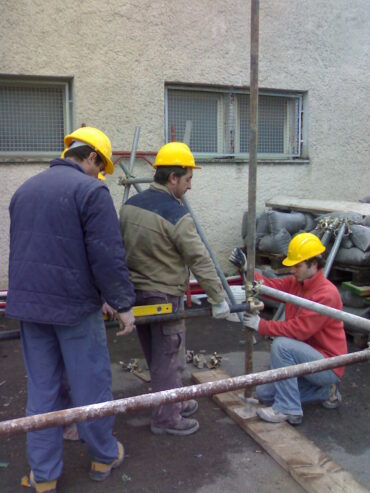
[34, 116]
[220, 121]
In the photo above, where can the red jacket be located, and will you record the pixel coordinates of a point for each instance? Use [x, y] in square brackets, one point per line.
[323, 333]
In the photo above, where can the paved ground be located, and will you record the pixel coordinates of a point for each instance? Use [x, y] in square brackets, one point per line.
[220, 457]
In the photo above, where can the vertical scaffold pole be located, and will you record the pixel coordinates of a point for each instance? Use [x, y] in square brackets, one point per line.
[252, 178]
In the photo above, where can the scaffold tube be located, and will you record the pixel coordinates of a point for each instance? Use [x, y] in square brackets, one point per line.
[146, 401]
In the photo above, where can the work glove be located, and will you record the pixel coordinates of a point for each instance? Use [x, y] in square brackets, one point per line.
[220, 309]
[251, 321]
[239, 259]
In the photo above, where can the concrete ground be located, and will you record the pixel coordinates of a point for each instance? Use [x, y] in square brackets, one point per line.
[219, 457]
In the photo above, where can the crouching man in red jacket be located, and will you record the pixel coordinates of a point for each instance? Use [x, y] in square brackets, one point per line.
[303, 336]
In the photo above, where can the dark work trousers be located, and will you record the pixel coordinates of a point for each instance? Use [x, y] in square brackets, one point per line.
[163, 344]
[80, 352]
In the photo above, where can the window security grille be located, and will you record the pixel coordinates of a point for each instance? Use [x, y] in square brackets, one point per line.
[220, 122]
[32, 117]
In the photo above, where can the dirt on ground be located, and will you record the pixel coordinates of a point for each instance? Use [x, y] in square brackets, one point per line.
[219, 457]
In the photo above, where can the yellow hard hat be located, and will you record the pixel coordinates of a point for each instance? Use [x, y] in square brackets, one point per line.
[175, 154]
[303, 247]
[97, 140]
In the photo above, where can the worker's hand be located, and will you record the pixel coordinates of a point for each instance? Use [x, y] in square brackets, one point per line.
[239, 259]
[108, 311]
[251, 321]
[221, 309]
[126, 321]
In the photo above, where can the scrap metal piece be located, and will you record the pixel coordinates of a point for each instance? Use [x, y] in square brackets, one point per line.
[132, 366]
[189, 356]
[214, 361]
[199, 361]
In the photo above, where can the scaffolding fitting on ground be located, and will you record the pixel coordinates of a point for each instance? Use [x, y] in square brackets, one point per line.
[146, 401]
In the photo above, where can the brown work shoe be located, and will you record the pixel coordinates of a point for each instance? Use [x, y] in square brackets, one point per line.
[189, 408]
[183, 427]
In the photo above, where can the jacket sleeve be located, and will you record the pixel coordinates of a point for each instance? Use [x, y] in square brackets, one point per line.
[197, 258]
[105, 251]
[302, 326]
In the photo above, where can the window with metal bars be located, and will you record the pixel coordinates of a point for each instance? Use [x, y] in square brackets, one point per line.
[220, 121]
[34, 116]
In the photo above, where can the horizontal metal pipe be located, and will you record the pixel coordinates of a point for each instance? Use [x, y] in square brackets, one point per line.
[133, 181]
[183, 314]
[110, 408]
[360, 322]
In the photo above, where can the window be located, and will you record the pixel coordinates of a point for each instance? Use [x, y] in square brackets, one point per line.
[220, 121]
[34, 116]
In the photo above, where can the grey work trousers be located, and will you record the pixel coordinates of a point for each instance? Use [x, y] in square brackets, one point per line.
[163, 344]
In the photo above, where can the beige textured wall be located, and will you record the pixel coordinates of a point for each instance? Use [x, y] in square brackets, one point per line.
[121, 53]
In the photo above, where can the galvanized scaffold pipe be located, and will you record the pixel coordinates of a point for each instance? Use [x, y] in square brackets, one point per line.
[214, 260]
[252, 178]
[360, 322]
[180, 315]
[110, 408]
[132, 162]
[334, 250]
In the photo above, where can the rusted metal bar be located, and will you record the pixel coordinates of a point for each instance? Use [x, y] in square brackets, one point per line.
[110, 408]
[252, 177]
[359, 322]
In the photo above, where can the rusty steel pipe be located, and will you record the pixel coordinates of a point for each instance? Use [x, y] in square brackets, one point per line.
[110, 408]
[252, 177]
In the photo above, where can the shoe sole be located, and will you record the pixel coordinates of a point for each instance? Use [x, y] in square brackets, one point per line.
[172, 431]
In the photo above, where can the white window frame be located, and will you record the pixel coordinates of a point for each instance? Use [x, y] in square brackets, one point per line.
[294, 112]
[64, 84]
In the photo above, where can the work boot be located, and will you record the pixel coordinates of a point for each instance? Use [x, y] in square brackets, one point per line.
[190, 407]
[334, 398]
[41, 487]
[100, 471]
[183, 427]
[268, 414]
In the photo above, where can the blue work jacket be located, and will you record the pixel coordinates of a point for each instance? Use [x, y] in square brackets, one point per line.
[66, 251]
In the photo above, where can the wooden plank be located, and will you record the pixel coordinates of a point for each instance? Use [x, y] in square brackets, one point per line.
[317, 206]
[315, 471]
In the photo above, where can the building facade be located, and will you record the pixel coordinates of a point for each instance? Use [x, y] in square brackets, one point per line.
[159, 64]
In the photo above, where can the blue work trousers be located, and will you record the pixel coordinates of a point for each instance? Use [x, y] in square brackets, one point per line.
[82, 351]
[287, 396]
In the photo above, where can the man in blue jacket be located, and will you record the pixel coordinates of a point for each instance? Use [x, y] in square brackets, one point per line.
[66, 258]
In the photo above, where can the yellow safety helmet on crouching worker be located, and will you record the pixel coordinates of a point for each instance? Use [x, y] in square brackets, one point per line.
[175, 154]
[303, 247]
[97, 140]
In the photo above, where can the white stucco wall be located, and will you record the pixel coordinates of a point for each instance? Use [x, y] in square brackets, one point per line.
[120, 54]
